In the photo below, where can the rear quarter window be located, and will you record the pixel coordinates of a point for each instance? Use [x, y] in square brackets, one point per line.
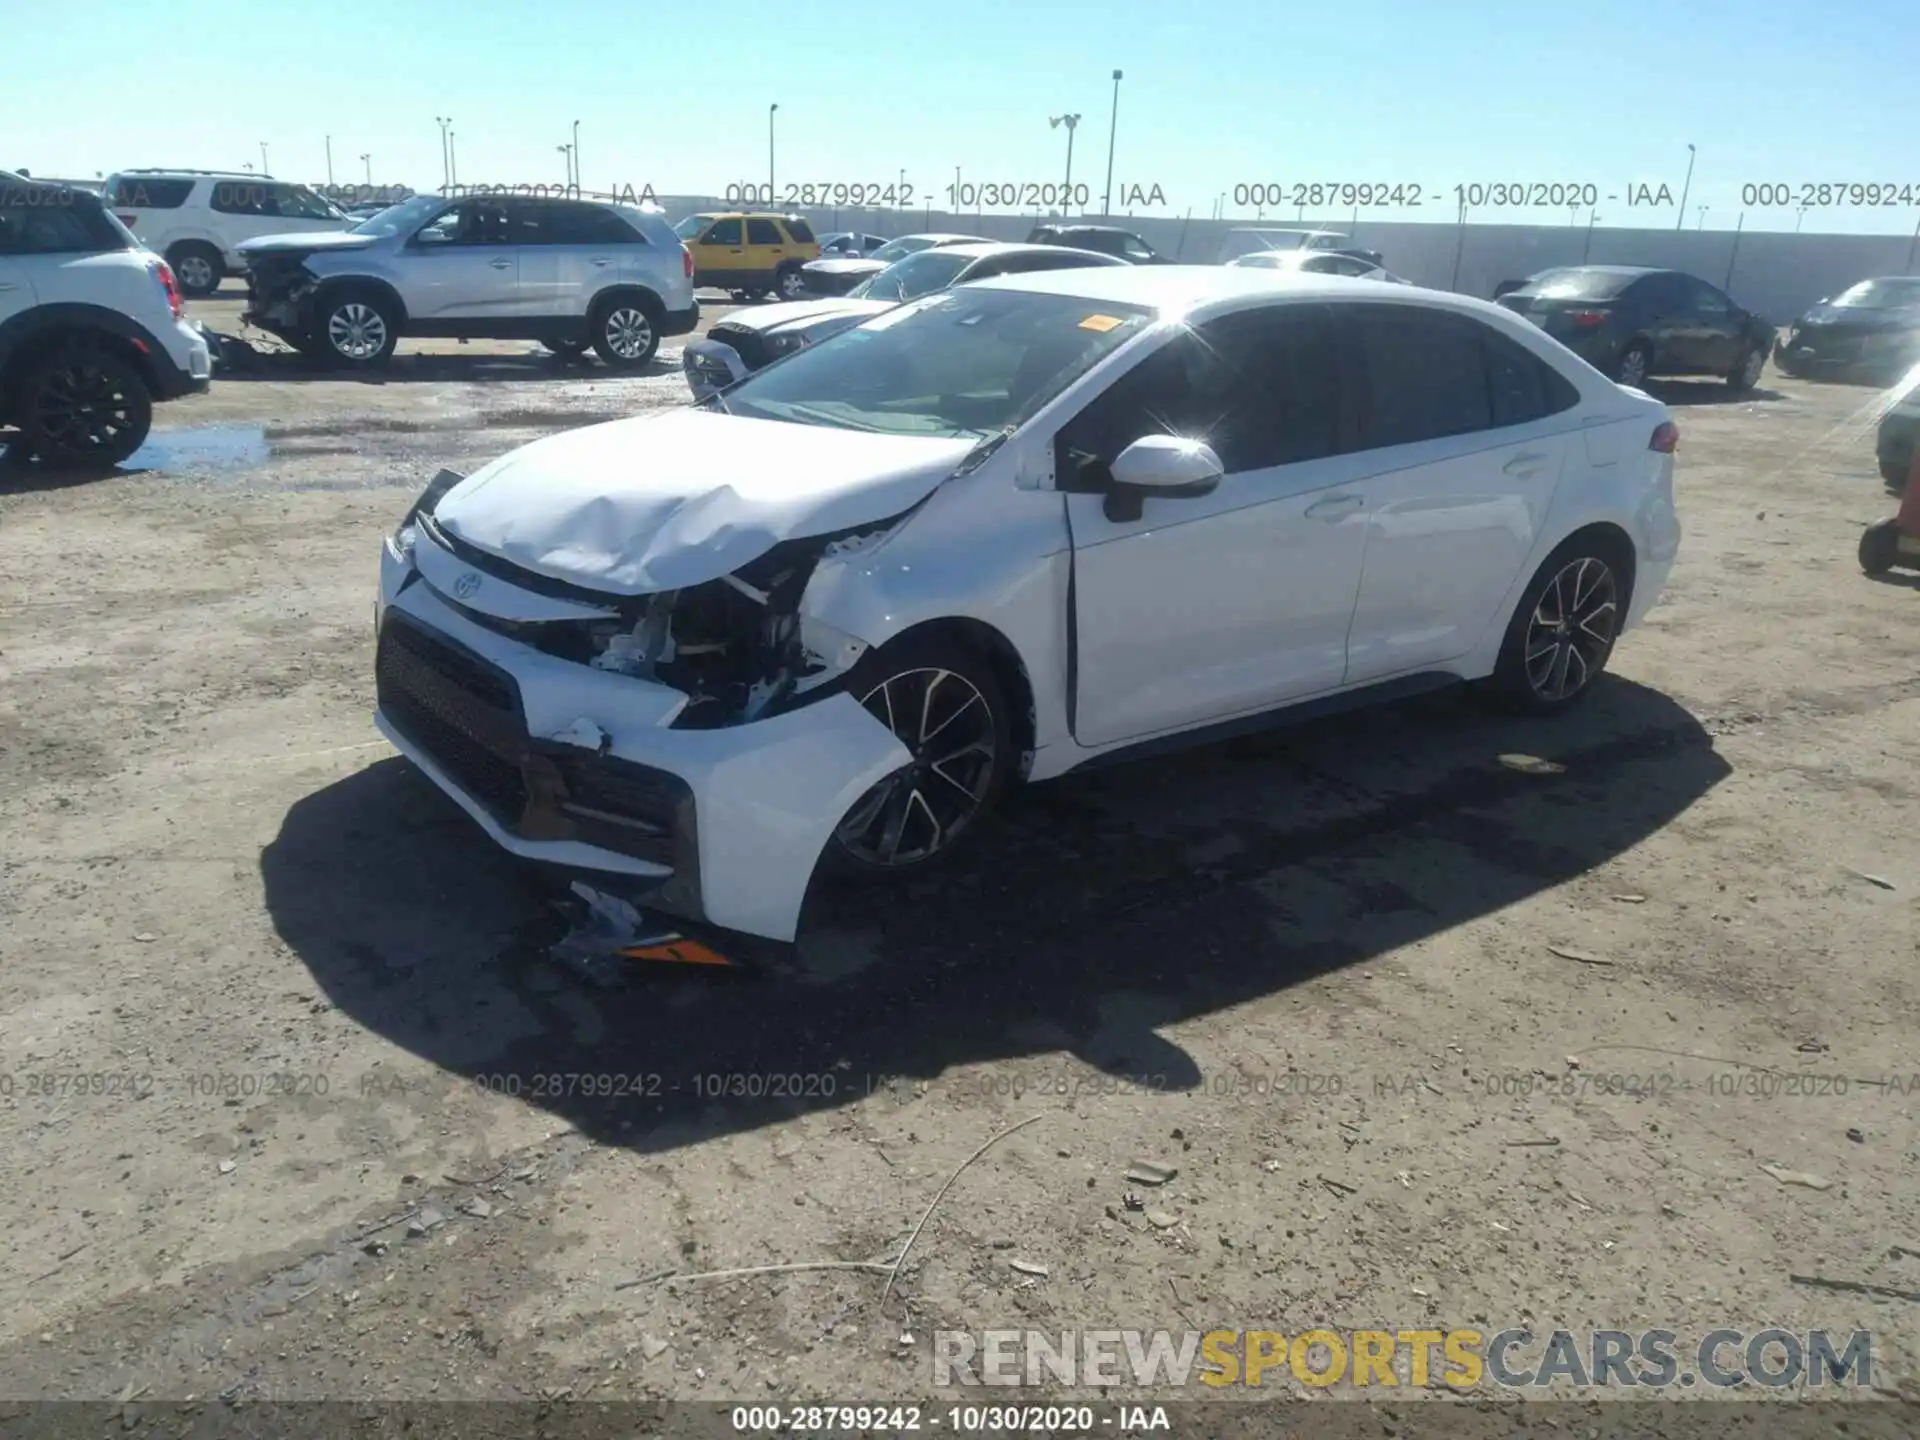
[140, 192]
[800, 231]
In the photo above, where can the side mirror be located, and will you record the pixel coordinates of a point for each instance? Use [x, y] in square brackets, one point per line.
[1160, 465]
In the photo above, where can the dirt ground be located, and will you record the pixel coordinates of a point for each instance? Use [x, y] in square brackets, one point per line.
[266, 997]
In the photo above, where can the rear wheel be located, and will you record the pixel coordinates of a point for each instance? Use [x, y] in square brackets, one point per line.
[84, 405]
[1562, 634]
[197, 267]
[789, 283]
[1880, 546]
[1746, 370]
[943, 702]
[626, 333]
[1633, 365]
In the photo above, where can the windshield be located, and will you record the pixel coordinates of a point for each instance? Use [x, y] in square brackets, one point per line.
[692, 226]
[404, 216]
[1577, 284]
[915, 276]
[899, 249]
[1895, 294]
[964, 362]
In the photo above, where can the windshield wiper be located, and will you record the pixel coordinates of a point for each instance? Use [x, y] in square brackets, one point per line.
[982, 452]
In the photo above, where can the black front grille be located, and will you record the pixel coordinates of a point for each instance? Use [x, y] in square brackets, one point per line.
[745, 343]
[462, 712]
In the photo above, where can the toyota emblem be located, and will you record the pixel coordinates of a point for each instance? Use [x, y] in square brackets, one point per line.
[466, 585]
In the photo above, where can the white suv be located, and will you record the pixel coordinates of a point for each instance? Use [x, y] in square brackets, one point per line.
[568, 273]
[90, 327]
[196, 219]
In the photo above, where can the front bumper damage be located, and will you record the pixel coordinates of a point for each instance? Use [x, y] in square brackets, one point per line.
[711, 367]
[280, 291]
[590, 769]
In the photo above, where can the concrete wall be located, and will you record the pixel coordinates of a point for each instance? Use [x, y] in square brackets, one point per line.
[1775, 275]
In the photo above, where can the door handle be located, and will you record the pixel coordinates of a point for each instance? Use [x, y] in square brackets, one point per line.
[501, 264]
[1334, 506]
[1528, 464]
[601, 260]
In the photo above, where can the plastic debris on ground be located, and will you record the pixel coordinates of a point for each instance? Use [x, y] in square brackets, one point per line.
[609, 934]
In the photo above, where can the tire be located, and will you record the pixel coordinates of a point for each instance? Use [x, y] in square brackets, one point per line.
[198, 267]
[1894, 473]
[1880, 546]
[84, 405]
[356, 329]
[915, 818]
[1635, 361]
[789, 283]
[1746, 370]
[1562, 633]
[626, 332]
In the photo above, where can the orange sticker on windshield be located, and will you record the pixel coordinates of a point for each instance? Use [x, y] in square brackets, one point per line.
[1101, 323]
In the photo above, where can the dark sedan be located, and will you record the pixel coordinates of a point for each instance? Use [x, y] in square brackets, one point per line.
[1633, 323]
[1106, 239]
[1873, 330]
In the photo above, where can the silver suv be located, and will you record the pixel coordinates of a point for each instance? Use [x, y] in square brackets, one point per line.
[568, 273]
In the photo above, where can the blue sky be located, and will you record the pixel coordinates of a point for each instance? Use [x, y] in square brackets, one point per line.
[1215, 96]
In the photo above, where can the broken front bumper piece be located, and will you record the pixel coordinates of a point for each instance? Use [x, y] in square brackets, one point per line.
[717, 825]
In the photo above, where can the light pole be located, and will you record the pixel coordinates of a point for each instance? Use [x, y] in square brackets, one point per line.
[1701, 222]
[1911, 244]
[1799, 218]
[770, 190]
[446, 170]
[1113, 120]
[367, 160]
[1593, 215]
[576, 154]
[1734, 254]
[329, 162]
[1691, 156]
[453, 156]
[265, 169]
[567, 150]
[1072, 122]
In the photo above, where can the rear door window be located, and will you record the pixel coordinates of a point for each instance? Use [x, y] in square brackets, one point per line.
[1424, 376]
[764, 232]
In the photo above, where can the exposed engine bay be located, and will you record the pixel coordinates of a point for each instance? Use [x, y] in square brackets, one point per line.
[278, 285]
[737, 647]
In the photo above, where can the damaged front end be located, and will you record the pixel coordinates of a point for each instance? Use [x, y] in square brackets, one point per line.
[279, 287]
[738, 647]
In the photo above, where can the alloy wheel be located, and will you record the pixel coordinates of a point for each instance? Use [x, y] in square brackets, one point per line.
[357, 331]
[792, 285]
[196, 274]
[1572, 629]
[629, 332]
[84, 408]
[947, 726]
[1633, 368]
[1751, 367]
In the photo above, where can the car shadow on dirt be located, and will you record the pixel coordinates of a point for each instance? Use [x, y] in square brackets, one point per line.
[1687, 393]
[241, 362]
[1097, 911]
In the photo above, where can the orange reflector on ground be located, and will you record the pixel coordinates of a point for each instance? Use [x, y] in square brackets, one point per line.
[681, 951]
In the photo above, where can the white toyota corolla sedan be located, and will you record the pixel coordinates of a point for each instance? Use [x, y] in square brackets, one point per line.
[824, 620]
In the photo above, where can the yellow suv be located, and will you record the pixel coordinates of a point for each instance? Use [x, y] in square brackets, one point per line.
[749, 253]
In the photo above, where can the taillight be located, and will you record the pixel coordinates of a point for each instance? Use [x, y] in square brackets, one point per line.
[1666, 438]
[686, 260]
[1587, 319]
[127, 220]
[167, 283]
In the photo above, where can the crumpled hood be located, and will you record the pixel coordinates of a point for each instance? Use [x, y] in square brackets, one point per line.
[305, 240]
[762, 318]
[662, 502]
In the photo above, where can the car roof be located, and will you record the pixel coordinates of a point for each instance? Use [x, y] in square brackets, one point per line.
[171, 174]
[1611, 270]
[944, 237]
[1062, 226]
[1281, 230]
[743, 215]
[1180, 289]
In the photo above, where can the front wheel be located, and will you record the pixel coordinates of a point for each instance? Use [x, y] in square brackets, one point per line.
[1746, 370]
[945, 705]
[357, 330]
[84, 406]
[1562, 634]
